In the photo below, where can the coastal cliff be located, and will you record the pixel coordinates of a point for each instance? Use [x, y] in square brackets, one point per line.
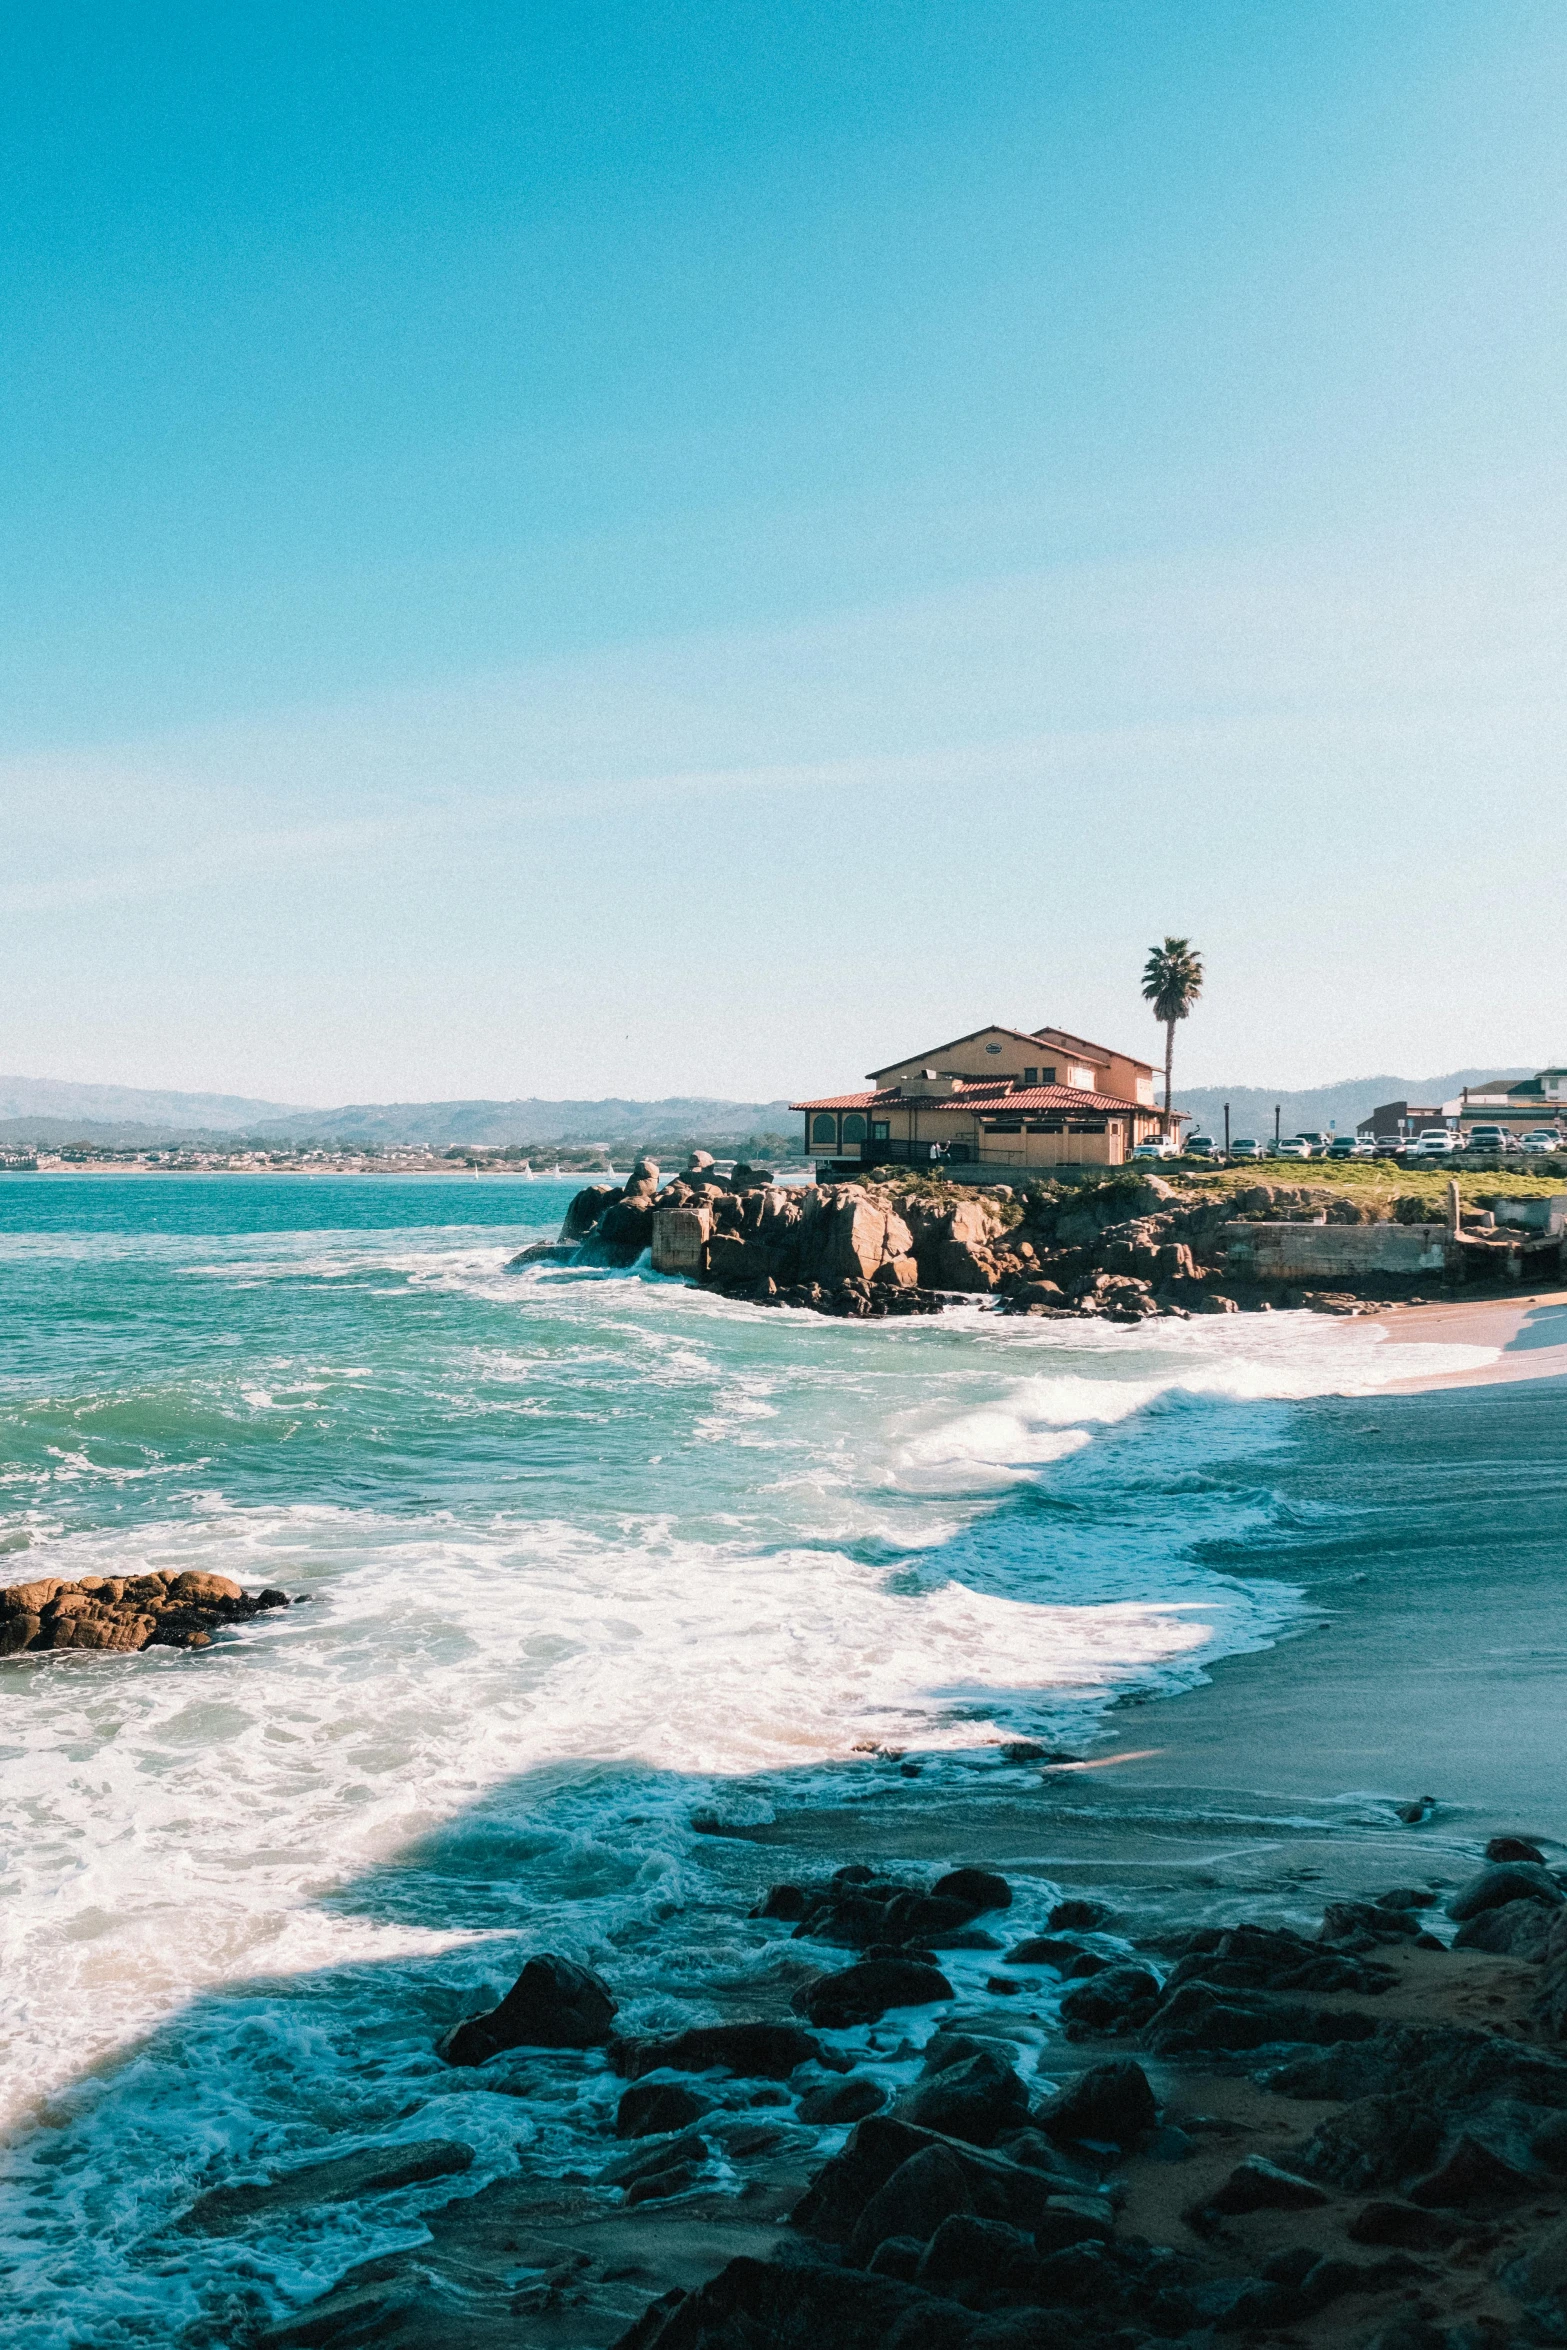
[1124, 1249]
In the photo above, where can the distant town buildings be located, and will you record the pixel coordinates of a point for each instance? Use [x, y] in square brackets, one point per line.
[1393, 1121]
[1520, 1103]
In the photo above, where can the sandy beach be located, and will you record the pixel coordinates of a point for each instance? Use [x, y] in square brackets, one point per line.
[1530, 1333]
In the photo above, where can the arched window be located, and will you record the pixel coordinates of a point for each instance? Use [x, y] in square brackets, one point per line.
[824, 1128]
[854, 1127]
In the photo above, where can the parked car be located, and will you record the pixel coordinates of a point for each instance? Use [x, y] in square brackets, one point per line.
[1542, 1139]
[1365, 1149]
[1157, 1150]
[1245, 1146]
[1295, 1146]
[1201, 1146]
[1388, 1146]
[1490, 1141]
[1435, 1143]
[1316, 1144]
[1343, 1146]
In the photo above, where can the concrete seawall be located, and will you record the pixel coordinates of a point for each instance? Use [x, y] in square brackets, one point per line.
[1331, 1252]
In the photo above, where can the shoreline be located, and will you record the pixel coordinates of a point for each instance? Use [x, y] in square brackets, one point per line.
[1530, 1333]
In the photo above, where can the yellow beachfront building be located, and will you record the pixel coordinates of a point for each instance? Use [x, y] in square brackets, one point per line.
[995, 1103]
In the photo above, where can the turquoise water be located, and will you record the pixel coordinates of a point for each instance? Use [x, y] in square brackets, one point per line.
[585, 1556]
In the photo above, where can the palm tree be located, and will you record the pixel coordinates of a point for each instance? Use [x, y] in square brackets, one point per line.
[1172, 982]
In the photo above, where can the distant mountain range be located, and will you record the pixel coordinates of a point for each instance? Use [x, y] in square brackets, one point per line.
[45, 1110]
[49, 1111]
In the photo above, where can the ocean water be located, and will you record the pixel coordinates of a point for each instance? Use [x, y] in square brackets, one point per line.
[590, 1563]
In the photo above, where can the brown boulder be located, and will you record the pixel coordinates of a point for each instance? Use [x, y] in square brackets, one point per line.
[193, 1589]
[964, 1266]
[30, 1598]
[101, 1628]
[897, 1273]
[852, 1239]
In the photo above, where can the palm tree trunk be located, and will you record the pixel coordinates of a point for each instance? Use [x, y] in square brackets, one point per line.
[1169, 1061]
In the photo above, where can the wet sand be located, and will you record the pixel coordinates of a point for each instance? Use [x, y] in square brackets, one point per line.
[1530, 1333]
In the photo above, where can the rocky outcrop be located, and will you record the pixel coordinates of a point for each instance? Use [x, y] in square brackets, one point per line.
[1123, 1249]
[125, 1612]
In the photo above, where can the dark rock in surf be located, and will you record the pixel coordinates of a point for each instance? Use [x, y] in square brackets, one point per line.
[1047, 1950]
[1517, 1880]
[1076, 1916]
[859, 1994]
[651, 2108]
[1513, 1848]
[837, 2103]
[553, 2004]
[977, 2099]
[1107, 1997]
[766, 2051]
[982, 1889]
[783, 1901]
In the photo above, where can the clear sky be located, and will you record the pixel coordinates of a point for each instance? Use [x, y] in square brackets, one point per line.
[577, 549]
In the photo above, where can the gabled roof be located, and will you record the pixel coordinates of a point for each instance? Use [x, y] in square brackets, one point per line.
[1085, 1050]
[990, 1028]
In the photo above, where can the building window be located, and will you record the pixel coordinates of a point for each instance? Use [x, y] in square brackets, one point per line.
[1047, 1076]
[881, 1130]
[854, 1127]
[1087, 1126]
[1031, 1077]
[992, 1048]
[824, 1128]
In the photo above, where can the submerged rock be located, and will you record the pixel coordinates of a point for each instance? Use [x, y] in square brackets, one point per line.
[767, 2051]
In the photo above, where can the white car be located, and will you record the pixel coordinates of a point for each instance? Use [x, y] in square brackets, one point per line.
[1435, 1143]
[1245, 1146]
[1542, 1139]
[1157, 1150]
[1292, 1148]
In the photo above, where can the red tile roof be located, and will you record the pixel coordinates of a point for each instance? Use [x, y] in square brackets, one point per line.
[981, 1098]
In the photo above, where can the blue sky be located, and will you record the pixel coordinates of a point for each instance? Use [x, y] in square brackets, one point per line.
[588, 549]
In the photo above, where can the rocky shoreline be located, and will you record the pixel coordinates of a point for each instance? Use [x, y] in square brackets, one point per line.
[1123, 1250]
[125, 1612]
[1236, 2133]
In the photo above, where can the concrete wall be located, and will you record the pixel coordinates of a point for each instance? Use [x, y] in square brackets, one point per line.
[1325, 1252]
[1547, 1216]
[680, 1238]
